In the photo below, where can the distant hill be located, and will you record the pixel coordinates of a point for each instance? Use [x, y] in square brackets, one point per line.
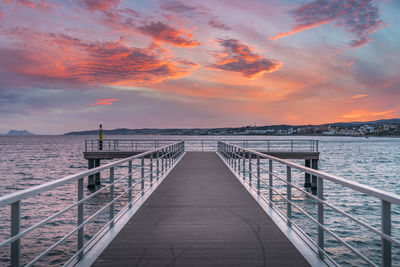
[228, 131]
[16, 132]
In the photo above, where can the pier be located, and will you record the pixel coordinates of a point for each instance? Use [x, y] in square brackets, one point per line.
[229, 204]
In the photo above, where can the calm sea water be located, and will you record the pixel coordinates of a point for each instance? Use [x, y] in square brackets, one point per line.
[33, 160]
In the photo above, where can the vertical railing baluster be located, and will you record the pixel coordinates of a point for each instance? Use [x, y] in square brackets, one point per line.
[158, 165]
[270, 182]
[289, 194]
[258, 174]
[320, 214]
[250, 168]
[142, 176]
[234, 159]
[162, 160]
[238, 162]
[112, 206]
[291, 145]
[15, 229]
[151, 169]
[386, 226]
[130, 183]
[244, 166]
[80, 216]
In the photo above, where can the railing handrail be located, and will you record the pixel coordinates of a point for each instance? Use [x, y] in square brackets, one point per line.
[366, 189]
[214, 140]
[34, 190]
[236, 156]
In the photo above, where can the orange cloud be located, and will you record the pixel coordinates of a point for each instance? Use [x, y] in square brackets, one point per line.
[104, 102]
[165, 33]
[366, 115]
[239, 57]
[296, 29]
[62, 58]
[358, 96]
[41, 4]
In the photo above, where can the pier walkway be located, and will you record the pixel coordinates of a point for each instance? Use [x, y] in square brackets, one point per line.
[201, 215]
[229, 205]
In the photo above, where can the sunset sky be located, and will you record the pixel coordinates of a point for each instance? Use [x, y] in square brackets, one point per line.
[70, 65]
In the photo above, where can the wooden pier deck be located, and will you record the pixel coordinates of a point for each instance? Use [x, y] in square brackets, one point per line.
[200, 215]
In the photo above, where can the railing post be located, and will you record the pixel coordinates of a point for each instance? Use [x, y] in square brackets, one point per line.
[250, 168]
[162, 160]
[80, 216]
[15, 229]
[151, 169]
[269, 146]
[289, 194]
[320, 214]
[169, 157]
[270, 182]
[142, 176]
[112, 197]
[158, 165]
[238, 161]
[244, 166]
[386, 226]
[291, 145]
[130, 183]
[234, 159]
[258, 174]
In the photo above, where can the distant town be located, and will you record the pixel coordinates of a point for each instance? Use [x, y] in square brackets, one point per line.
[390, 127]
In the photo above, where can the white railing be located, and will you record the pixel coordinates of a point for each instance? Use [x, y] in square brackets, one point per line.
[161, 161]
[94, 145]
[240, 161]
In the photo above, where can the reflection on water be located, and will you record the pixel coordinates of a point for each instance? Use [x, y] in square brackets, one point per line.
[33, 160]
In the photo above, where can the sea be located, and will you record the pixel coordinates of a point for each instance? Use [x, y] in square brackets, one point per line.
[26, 161]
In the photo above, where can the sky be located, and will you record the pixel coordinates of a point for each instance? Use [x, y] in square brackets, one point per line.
[73, 64]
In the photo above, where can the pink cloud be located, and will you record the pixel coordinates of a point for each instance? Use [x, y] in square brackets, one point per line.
[239, 57]
[165, 33]
[64, 59]
[358, 17]
[101, 5]
[104, 102]
[40, 4]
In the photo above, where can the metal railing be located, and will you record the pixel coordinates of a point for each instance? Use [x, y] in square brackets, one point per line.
[240, 161]
[161, 161]
[299, 145]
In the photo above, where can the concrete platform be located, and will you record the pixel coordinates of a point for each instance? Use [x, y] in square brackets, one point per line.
[201, 215]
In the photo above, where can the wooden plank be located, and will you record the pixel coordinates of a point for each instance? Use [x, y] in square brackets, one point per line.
[201, 215]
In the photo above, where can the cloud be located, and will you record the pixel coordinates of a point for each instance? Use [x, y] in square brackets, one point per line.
[358, 17]
[366, 115]
[165, 33]
[58, 58]
[219, 25]
[177, 7]
[102, 5]
[240, 58]
[191, 11]
[358, 96]
[104, 102]
[40, 4]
